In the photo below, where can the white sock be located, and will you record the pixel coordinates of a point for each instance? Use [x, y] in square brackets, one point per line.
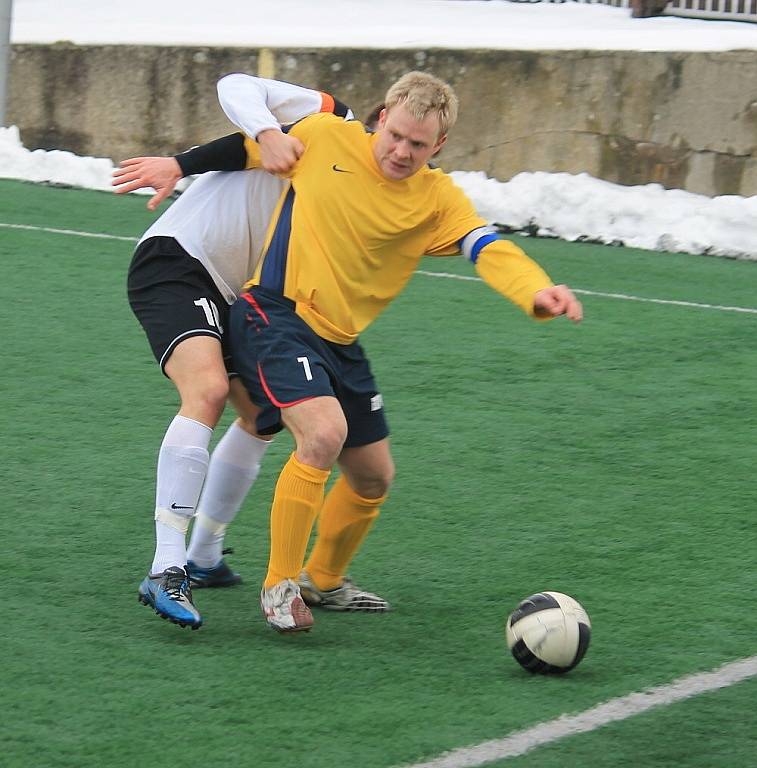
[182, 466]
[234, 465]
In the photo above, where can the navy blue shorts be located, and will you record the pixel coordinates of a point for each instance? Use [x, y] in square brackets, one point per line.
[282, 362]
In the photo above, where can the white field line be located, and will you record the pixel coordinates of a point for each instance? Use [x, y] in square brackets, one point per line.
[623, 296]
[68, 232]
[448, 275]
[610, 712]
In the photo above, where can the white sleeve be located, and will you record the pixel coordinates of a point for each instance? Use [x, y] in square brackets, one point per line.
[255, 104]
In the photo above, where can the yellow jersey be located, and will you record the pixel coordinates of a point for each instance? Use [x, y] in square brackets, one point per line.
[344, 240]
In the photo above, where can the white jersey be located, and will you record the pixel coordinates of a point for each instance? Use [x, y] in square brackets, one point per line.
[222, 219]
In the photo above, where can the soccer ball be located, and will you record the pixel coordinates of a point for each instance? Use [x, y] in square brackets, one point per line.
[548, 633]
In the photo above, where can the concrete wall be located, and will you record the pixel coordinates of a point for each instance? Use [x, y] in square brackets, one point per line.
[686, 120]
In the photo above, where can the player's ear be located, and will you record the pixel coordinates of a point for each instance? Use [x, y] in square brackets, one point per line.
[440, 143]
[381, 118]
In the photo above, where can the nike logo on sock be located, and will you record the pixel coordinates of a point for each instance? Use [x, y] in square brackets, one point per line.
[178, 506]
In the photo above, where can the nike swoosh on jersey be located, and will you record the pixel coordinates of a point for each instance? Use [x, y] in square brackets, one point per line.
[336, 168]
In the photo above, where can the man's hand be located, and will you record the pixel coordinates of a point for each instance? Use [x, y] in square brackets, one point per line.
[160, 173]
[279, 152]
[558, 300]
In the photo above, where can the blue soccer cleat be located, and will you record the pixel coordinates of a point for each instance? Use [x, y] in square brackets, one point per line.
[219, 575]
[170, 595]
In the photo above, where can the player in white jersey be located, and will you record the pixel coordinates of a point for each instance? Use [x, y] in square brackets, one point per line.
[187, 269]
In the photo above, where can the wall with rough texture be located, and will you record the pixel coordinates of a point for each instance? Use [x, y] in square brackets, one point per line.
[685, 120]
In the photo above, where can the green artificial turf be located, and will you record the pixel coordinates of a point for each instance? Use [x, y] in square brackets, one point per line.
[613, 461]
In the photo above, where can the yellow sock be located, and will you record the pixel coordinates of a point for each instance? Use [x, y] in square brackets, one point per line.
[296, 503]
[345, 520]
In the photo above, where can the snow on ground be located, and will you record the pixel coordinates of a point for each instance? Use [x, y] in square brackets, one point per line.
[562, 205]
[578, 207]
[489, 24]
[56, 166]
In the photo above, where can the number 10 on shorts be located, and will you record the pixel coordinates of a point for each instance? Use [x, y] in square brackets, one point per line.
[306, 365]
[211, 313]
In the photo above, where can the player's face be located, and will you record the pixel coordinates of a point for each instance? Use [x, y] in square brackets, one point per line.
[405, 144]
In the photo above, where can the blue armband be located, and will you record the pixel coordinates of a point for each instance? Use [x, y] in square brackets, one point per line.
[475, 240]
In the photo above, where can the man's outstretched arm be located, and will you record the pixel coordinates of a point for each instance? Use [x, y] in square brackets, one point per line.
[507, 269]
[163, 173]
[259, 106]
[274, 151]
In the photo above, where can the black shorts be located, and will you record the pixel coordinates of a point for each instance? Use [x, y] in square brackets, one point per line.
[174, 298]
[282, 362]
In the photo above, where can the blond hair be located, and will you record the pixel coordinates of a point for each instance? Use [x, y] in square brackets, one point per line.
[423, 94]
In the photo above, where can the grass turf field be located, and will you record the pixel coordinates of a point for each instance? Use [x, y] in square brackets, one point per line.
[613, 461]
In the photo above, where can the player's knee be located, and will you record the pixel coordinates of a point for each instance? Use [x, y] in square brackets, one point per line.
[375, 487]
[387, 475]
[322, 446]
[330, 439]
[375, 483]
[387, 478]
[215, 392]
[207, 396]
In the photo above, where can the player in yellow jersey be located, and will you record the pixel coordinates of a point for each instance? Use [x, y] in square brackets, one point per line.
[359, 213]
[187, 270]
[239, 211]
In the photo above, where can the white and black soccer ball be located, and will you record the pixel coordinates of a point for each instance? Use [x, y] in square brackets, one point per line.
[548, 633]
